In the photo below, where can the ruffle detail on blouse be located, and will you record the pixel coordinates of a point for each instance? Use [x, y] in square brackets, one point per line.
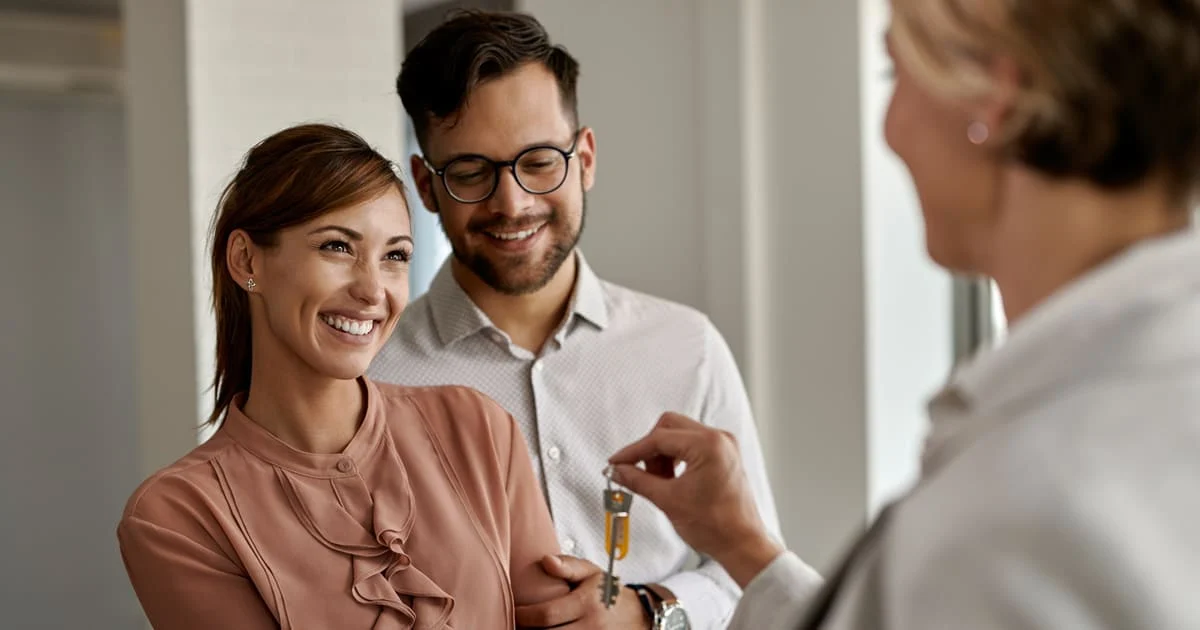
[384, 574]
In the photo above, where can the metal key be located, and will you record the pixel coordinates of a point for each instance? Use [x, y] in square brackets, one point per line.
[616, 536]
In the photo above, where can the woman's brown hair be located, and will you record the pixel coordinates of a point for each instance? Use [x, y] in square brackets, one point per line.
[288, 179]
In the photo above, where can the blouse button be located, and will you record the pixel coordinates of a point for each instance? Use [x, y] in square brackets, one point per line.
[344, 465]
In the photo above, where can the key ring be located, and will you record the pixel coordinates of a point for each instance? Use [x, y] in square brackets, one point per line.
[608, 475]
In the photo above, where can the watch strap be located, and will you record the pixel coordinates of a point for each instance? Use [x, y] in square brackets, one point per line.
[664, 594]
[647, 598]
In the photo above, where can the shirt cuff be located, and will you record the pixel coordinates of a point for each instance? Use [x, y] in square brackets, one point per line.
[708, 603]
[778, 596]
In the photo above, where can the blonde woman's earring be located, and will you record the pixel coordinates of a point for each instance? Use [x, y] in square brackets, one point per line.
[978, 133]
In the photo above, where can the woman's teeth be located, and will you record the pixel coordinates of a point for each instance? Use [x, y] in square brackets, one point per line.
[515, 236]
[352, 326]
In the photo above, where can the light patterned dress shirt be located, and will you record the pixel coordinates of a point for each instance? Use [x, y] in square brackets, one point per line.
[1060, 486]
[618, 361]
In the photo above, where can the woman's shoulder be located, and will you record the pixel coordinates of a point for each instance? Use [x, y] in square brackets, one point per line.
[444, 402]
[455, 413]
[175, 492]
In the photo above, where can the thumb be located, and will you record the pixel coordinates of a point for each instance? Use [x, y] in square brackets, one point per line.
[569, 568]
[654, 488]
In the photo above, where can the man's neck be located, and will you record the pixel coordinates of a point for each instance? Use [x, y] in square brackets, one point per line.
[529, 319]
[307, 411]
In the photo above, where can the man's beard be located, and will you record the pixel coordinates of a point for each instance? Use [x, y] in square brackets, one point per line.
[512, 281]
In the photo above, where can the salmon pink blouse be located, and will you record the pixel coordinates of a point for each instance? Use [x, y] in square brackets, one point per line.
[430, 518]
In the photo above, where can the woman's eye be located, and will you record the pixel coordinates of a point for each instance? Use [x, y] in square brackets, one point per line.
[399, 255]
[337, 246]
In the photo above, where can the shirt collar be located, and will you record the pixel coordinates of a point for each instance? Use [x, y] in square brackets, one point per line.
[456, 317]
[588, 299]
[1069, 337]
[454, 314]
[255, 438]
[1069, 334]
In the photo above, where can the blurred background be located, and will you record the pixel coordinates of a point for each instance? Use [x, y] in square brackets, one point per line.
[741, 170]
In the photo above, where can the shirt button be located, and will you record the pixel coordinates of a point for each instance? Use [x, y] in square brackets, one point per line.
[344, 465]
[537, 366]
[568, 545]
[553, 453]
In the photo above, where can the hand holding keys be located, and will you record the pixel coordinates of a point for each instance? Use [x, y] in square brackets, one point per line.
[616, 536]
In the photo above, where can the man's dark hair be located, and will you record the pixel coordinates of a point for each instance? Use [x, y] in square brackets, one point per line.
[471, 48]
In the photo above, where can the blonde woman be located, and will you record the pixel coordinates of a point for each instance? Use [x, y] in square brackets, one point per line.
[1054, 146]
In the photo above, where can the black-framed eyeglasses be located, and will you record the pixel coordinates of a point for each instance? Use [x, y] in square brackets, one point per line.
[537, 170]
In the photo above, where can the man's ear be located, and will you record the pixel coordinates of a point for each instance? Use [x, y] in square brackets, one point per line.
[585, 148]
[424, 179]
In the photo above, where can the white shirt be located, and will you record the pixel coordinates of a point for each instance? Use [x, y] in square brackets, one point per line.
[618, 362]
[1060, 486]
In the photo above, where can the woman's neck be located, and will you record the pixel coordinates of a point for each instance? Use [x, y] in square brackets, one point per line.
[307, 411]
[1059, 232]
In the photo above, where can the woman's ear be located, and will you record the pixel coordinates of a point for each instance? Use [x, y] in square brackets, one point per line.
[994, 110]
[240, 257]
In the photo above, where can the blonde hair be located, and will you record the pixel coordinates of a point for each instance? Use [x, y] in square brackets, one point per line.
[1109, 90]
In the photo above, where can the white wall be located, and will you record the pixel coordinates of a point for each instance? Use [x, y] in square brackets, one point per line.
[66, 377]
[644, 223]
[909, 299]
[815, 271]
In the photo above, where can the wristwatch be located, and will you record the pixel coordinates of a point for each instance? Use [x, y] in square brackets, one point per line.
[664, 610]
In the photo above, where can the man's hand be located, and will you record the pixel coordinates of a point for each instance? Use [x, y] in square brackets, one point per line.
[710, 504]
[581, 609]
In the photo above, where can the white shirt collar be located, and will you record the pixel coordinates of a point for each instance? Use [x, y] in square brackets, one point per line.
[1068, 337]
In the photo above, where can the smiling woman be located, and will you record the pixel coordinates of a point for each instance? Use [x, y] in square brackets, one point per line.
[285, 213]
[324, 499]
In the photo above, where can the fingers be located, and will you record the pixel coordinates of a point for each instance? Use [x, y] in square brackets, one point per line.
[655, 489]
[666, 440]
[582, 601]
[672, 420]
[570, 568]
[661, 467]
[661, 442]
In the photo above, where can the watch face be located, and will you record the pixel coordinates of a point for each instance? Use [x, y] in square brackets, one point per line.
[674, 618]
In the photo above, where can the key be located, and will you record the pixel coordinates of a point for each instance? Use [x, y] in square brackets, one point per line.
[616, 522]
[616, 536]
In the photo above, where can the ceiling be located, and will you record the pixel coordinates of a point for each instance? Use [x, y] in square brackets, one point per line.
[106, 8]
[112, 8]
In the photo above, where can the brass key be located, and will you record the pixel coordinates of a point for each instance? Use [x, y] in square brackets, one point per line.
[616, 536]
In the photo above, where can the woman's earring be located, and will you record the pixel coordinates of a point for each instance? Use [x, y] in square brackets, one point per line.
[978, 133]
[250, 284]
